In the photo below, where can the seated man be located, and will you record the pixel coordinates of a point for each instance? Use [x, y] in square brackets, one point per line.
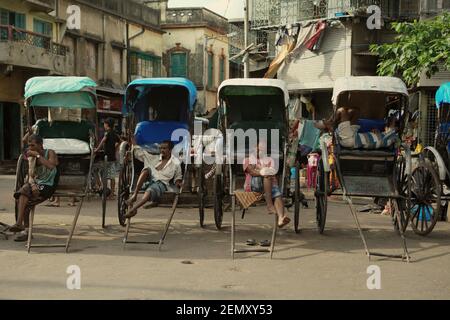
[158, 179]
[40, 186]
[260, 177]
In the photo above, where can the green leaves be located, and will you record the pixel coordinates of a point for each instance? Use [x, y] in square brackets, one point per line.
[421, 46]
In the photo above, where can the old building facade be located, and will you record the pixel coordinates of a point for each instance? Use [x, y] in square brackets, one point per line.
[29, 47]
[343, 49]
[196, 47]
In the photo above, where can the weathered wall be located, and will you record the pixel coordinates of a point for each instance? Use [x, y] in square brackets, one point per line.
[320, 70]
[193, 40]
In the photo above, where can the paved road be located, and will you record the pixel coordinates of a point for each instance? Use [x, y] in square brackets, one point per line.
[195, 263]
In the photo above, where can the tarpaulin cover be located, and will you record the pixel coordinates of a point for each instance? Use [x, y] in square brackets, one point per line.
[67, 92]
[443, 94]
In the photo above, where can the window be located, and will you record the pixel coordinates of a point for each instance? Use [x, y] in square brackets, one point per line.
[145, 65]
[221, 69]
[116, 61]
[10, 18]
[210, 70]
[43, 27]
[178, 64]
[91, 59]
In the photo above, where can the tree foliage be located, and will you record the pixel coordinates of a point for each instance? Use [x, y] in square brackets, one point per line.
[420, 46]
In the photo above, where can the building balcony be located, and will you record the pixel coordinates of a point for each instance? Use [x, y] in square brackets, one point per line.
[268, 14]
[31, 50]
[196, 17]
[41, 5]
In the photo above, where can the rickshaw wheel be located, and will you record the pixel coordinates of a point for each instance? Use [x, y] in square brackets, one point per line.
[321, 197]
[201, 195]
[21, 176]
[124, 193]
[297, 201]
[218, 200]
[425, 198]
[401, 204]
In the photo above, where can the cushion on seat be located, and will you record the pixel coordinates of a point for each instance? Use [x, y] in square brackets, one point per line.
[367, 125]
[154, 132]
[65, 146]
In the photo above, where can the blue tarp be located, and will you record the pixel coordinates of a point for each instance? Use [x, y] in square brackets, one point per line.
[159, 82]
[151, 132]
[443, 94]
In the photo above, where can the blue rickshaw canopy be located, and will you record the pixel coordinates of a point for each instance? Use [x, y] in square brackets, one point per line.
[443, 94]
[61, 92]
[161, 82]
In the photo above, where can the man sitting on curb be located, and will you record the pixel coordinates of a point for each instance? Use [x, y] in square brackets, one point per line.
[157, 178]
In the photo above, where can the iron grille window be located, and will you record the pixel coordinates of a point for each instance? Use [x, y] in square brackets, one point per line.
[145, 65]
[431, 118]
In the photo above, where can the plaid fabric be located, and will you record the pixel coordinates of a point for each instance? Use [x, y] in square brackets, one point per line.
[375, 140]
[246, 199]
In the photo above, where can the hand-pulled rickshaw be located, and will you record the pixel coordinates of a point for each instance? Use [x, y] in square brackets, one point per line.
[61, 111]
[382, 172]
[155, 110]
[431, 179]
[245, 105]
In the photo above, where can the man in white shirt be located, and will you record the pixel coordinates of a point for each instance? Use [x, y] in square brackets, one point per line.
[157, 179]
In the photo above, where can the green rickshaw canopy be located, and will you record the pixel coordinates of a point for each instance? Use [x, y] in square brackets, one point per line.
[61, 92]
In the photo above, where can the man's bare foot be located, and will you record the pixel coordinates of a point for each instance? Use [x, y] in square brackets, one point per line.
[132, 199]
[271, 210]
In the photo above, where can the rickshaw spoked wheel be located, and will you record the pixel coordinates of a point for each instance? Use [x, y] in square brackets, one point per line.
[21, 176]
[201, 194]
[425, 198]
[401, 204]
[218, 199]
[297, 201]
[124, 192]
[321, 197]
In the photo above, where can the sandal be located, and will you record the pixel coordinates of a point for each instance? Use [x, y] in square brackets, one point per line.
[265, 243]
[286, 220]
[16, 228]
[251, 242]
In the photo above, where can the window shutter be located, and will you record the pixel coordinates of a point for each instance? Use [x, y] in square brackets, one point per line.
[222, 69]
[20, 21]
[4, 17]
[178, 64]
[210, 70]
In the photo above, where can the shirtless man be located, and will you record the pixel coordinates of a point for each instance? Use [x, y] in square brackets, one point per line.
[346, 120]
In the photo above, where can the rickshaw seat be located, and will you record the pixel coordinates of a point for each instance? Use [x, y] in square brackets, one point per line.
[363, 153]
[65, 129]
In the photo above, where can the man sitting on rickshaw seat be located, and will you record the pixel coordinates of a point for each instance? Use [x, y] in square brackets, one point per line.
[156, 180]
[346, 120]
[39, 187]
[260, 177]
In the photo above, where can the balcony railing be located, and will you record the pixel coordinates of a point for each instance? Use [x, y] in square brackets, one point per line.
[13, 34]
[182, 16]
[272, 13]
